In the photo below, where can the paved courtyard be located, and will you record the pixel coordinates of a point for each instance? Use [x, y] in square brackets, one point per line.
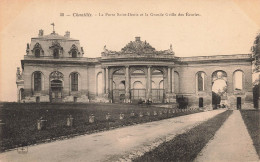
[122, 143]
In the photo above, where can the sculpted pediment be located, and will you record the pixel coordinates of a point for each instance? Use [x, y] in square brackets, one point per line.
[138, 47]
[56, 75]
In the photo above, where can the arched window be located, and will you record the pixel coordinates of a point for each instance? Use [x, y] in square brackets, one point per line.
[37, 53]
[74, 54]
[37, 81]
[219, 85]
[161, 84]
[74, 81]
[138, 85]
[200, 80]
[238, 80]
[74, 51]
[22, 95]
[153, 85]
[121, 85]
[99, 83]
[176, 82]
[56, 53]
[114, 85]
[157, 77]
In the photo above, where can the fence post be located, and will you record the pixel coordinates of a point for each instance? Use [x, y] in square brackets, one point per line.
[121, 116]
[70, 121]
[91, 118]
[108, 116]
[41, 124]
[141, 115]
[154, 113]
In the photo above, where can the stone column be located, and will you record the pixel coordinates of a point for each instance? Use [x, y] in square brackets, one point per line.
[149, 82]
[107, 81]
[127, 83]
[110, 88]
[165, 82]
[173, 80]
[170, 96]
[104, 80]
[169, 80]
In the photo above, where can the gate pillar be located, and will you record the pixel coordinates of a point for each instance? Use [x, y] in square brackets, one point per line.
[170, 95]
[127, 82]
[148, 95]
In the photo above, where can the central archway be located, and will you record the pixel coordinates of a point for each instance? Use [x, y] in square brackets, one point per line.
[219, 88]
[157, 86]
[138, 85]
[56, 86]
[118, 86]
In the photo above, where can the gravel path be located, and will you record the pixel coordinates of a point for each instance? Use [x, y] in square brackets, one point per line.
[120, 144]
[231, 143]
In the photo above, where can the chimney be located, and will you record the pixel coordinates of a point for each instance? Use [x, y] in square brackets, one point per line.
[40, 33]
[137, 39]
[67, 34]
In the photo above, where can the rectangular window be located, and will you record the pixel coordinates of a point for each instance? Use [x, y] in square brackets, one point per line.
[74, 82]
[37, 81]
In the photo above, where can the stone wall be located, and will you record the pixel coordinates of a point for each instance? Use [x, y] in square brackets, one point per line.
[187, 82]
[46, 70]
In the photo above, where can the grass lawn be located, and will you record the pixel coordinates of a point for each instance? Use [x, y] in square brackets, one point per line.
[252, 121]
[186, 146]
[20, 128]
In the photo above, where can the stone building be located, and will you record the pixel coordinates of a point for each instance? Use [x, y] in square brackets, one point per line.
[54, 70]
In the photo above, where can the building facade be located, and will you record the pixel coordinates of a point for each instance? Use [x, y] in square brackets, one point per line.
[54, 70]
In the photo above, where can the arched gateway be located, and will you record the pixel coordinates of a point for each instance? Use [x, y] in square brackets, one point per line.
[147, 74]
[56, 86]
[137, 72]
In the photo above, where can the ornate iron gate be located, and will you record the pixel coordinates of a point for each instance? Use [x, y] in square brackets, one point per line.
[137, 94]
[157, 95]
[118, 95]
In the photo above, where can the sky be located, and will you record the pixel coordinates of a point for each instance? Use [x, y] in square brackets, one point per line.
[222, 27]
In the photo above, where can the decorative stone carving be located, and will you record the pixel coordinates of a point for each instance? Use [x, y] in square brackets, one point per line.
[137, 47]
[27, 48]
[74, 48]
[37, 46]
[56, 75]
[56, 45]
[108, 52]
[18, 74]
[82, 50]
